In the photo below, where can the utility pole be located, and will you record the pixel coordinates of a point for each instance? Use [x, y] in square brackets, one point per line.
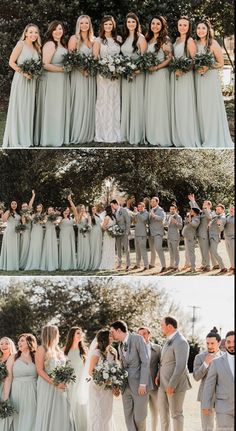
[193, 320]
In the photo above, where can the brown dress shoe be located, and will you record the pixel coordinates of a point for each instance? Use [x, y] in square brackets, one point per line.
[162, 270]
[223, 270]
[151, 266]
[216, 267]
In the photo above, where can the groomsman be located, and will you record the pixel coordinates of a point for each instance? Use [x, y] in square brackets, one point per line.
[189, 232]
[229, 236]
[141, 217]
[201, 366]
[174, 224]
[123, 220]
[156, 223]
[173, 376]
[219, 387]
[154, 354]
[216, 226]
[134, 358]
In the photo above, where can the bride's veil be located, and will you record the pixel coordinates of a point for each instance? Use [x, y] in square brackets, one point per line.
[83, 390]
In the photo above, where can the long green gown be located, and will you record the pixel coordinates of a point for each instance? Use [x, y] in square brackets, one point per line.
[78, 411]
[4, 423]
[83, 98]
[96, 244]
[132, 96]
[35, 248]
[49, 260]
[67, 256]
[10, 252]
[25, 245]
[83, 247]
[20, 116]
[53, 106]
[184, 122]
[23, 395]
[157, 104]
[212, 117]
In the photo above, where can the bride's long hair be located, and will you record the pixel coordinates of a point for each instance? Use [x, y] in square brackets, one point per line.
[103, 341]
[109, 212]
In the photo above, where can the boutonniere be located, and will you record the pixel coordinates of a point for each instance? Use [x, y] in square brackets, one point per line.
[168, 343]
[124, 346]
[120, 212]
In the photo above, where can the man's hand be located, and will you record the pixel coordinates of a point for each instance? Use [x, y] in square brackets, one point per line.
[206, 412]
[142, 390]
[208, 359]
[169, 391]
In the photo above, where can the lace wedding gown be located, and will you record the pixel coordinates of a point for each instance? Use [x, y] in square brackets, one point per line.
[108, 249]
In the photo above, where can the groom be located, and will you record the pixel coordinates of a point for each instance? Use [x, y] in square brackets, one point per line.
[123, 220]
[134, 357]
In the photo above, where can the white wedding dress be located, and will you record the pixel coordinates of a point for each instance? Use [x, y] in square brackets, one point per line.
[108, 249]
[100, 403]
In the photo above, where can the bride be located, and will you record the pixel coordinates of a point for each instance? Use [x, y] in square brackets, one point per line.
[100, 406]
[109, 243]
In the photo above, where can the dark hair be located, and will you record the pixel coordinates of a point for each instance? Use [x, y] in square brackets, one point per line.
[113, 32]
[43, 210]
[136, 31]
[144, 328]
[163, 35]
[69, 342]
[210, 33]
[48, 35]
[103, 342]
[214, 334]
[114, 201]
[12, 213]
[171, 321]
[109, 212]
[93, 219]
[62, 211]
[32, 345]
[120, 324]
[188, 34]
[173, 205]
[229, 334]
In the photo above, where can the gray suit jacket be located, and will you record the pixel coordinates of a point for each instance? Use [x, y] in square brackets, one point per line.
[219, 387]
[155, 360]
[173, 229]
[173, 367]
[190, 227]
[123, 219]
[136, 361]
[229, 227]
[141, 221]
[214, 229]
[205, 218]
[156, 221]
[200, 371]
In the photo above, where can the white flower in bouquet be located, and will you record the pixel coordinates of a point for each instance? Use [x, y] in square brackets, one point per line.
[105, 375]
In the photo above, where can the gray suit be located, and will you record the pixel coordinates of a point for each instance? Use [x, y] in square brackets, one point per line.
[123, 220]
[219, 391]
[214, 237]
[202, 235]
[200, 372]
[229, 238]
[156, 224]
[136, 361]
[155, 359]
[189, 233]
[173, 373]
[173, 237]
[141, 220]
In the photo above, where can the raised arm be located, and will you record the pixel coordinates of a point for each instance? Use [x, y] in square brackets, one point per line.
[199, 368]
[74, 209]
[31, 202]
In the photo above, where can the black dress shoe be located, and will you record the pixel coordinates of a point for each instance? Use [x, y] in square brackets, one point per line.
[216, 267]
[151, 266]
[162, 270]
[127, 268]
[223, 270]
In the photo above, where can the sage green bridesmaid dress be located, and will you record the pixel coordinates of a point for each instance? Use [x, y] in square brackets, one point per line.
[157, 104]
[213, 123]
[184, 121]
[35, 248]
[132, 96]
[5, 424]
[10, 252]
[23, 395]
[83, 247]
[53, 106]
[49, 260]
[25, 245]
[67, 256]
[20, 116]
[78, 411]
[96, 243]
[83, 99]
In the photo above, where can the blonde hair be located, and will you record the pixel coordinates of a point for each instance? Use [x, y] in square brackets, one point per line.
[12, 345]
[48, 336]
[78, 31]
[37, 44]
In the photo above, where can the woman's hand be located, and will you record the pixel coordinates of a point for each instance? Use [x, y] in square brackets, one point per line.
[116, 392]
[153, 68]
[27, 76]
[62, 386]
[179, 73]
[203, 70]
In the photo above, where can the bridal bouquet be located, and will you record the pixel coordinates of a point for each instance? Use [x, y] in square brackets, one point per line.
[147, 60]
[66, 193]
[185, 64]
[85, 229]
[110, 375]
[115, 231]
[203, 59]
[110, 67]
[20, 228]
[39, 218]
[6, 409]
[3, 371]
[63, 374]
[32, 67]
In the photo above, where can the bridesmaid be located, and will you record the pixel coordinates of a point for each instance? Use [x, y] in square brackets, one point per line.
[26, 219]
[19, 124]
[157, 86]
[49, 260]
[76, 352]
[107, 114]
[213, 122]
[53, 409]
[185, 128]
[83, 87]
[7, 348]
[10, 252]
[95, 239]
[22, 381]
[36, 239]
[53, 107]
[67, 256]
[83, 245]
[132, 93]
